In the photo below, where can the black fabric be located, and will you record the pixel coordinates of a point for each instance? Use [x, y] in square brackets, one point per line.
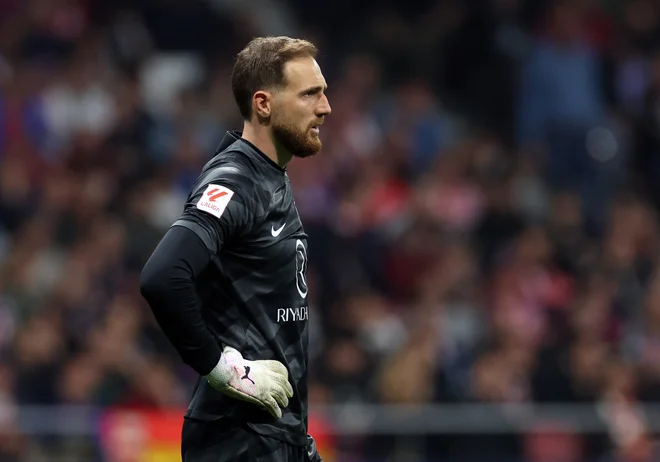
[168, 284]
[253, 293]
[229, 441]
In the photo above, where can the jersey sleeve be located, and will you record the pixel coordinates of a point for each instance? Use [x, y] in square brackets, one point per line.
[167, 282]
[220, 209]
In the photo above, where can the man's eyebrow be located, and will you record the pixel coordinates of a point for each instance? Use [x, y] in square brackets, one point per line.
[316, 89]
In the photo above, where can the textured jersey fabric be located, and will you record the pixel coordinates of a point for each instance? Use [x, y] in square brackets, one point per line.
[225, 441]
[254, 291]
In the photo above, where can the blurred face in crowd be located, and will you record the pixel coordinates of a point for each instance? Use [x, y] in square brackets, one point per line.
[298, 108]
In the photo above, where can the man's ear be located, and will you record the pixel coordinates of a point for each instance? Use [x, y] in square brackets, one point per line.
[261, 101]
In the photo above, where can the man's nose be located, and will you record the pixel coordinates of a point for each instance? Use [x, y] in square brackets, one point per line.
[324, 107]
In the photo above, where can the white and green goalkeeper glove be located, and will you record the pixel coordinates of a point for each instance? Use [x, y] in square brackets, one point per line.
[264, 383]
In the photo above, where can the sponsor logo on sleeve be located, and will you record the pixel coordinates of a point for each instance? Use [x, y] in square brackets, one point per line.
[215, 200]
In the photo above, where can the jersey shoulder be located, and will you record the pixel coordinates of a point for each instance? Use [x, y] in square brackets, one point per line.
[228, 168]
[233, 170]
[225, 201]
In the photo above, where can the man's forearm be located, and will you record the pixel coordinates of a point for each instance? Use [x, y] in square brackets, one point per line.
[167, 283]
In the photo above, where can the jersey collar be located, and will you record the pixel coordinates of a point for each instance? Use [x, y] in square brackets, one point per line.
[233, 136]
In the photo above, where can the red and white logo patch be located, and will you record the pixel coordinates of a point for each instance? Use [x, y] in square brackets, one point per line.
[215, 200]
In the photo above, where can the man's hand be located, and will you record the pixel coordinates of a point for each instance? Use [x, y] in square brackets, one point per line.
[264, 383]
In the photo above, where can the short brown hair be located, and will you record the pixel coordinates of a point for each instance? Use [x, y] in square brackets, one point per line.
[260, 65]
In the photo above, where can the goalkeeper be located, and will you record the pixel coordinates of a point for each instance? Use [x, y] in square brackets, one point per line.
[227, 283]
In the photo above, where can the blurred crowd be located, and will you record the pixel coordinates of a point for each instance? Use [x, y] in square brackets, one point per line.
[483, 217]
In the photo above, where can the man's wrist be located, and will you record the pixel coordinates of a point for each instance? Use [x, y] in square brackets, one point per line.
[220, 374]
[205, 360]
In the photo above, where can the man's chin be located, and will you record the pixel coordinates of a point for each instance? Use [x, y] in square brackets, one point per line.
[305, 154]
[308, 151]
[299, 144]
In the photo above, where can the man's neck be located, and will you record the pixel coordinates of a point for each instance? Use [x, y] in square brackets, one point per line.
[261, 138]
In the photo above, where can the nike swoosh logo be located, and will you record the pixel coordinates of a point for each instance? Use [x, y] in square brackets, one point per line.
[276, 232]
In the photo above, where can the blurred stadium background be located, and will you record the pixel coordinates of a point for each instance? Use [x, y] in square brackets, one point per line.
[483, 223]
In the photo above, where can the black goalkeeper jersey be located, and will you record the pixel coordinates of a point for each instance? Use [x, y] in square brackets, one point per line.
[254, 292]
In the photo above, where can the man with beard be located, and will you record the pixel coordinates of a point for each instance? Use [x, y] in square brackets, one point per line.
[227, 283]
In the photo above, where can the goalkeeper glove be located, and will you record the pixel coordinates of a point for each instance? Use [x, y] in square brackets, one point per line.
[264, 383]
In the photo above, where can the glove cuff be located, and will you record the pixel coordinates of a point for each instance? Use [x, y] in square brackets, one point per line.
[221, 374]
